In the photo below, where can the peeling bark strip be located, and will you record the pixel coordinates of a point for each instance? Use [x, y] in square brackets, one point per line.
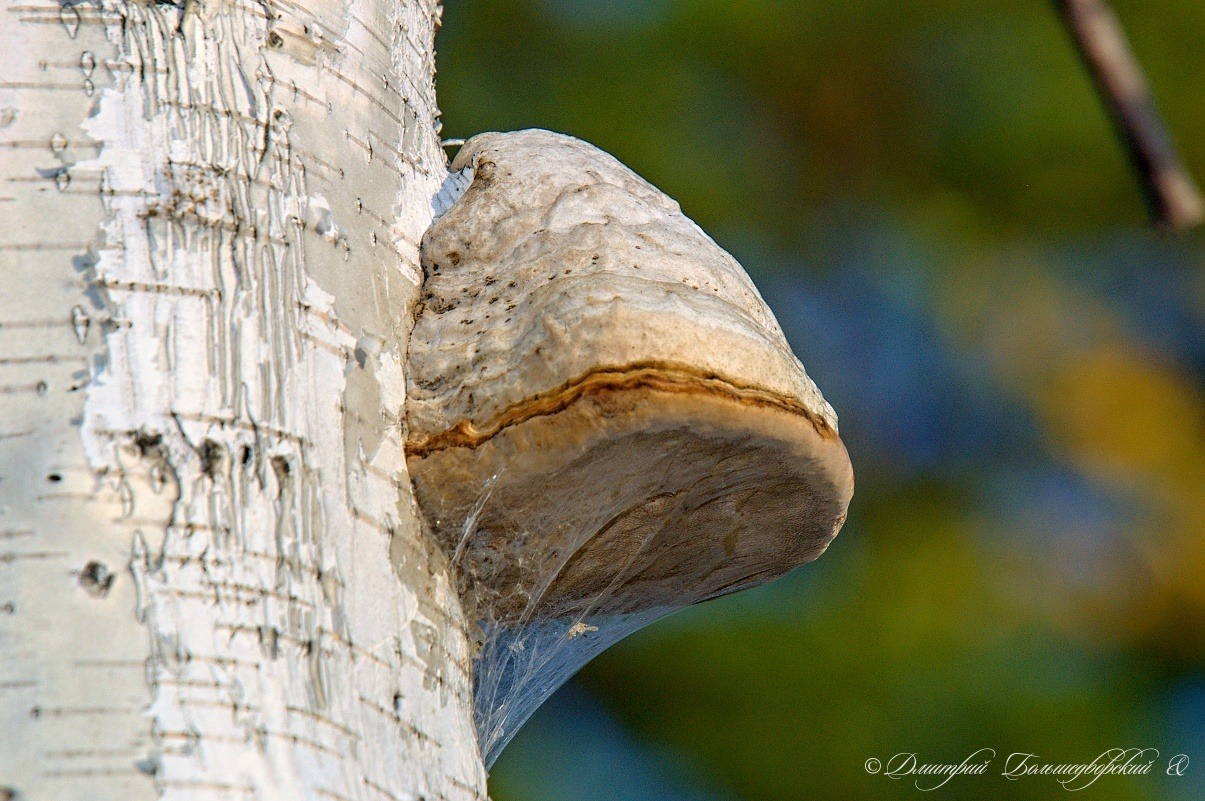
[213, 582]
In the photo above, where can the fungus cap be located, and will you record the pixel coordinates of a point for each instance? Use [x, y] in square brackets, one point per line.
[603, 416]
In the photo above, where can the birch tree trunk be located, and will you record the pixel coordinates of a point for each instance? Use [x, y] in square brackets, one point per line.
[213, 580]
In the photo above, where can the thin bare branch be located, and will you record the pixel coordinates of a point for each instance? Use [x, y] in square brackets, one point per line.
[1174, 199]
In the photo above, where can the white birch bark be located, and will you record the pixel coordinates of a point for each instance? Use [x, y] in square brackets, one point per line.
[213, 582]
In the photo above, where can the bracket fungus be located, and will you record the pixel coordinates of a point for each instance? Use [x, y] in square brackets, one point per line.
[604, 420]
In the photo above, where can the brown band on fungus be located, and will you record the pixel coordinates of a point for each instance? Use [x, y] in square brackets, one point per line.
[661, 376]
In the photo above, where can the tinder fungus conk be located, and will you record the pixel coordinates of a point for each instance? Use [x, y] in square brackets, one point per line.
[603, 415]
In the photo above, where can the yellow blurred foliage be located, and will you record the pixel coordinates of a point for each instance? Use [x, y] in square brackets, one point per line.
[1124, 418]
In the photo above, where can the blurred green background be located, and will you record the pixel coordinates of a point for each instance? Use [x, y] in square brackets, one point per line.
[931, 199]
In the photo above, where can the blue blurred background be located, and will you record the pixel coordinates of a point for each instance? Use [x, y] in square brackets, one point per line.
[931, 199]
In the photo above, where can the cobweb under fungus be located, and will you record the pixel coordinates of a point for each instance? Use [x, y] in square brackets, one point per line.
[531, 639]
[519, 667]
